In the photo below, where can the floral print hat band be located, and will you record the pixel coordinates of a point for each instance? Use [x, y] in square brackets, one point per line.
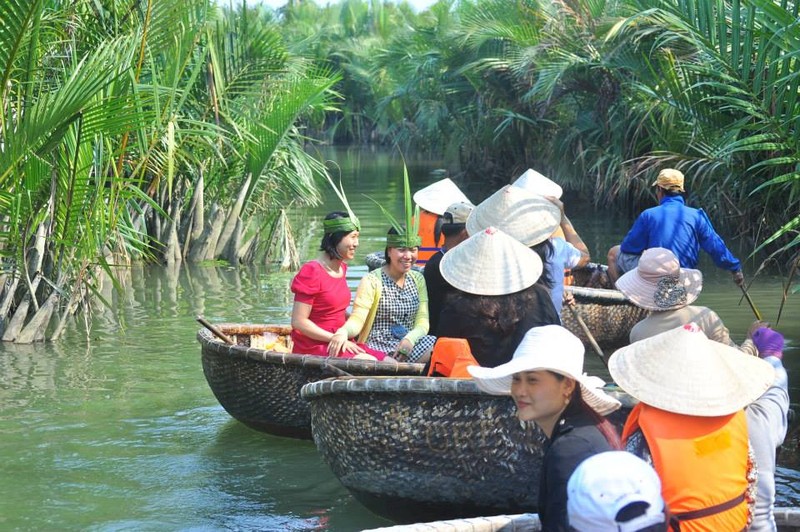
[659, 282]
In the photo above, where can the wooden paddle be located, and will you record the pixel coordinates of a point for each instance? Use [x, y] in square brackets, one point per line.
[750, 302]
[219, 334]
[570, 301]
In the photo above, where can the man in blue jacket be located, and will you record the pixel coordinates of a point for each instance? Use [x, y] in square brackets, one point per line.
[672, 225]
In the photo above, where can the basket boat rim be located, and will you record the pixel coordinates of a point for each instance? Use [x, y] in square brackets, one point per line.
[211, 345]
[415, 385]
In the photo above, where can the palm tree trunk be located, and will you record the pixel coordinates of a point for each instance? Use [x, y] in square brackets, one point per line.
[233, 220]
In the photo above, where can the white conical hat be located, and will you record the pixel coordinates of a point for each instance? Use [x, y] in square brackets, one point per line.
[684, 372]
[528, 217]
[535, 182]
[436, 197]
[491, 263]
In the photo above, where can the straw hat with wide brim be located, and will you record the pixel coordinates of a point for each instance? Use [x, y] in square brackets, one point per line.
[436, 197]
[491, 263]
[547, 348]
[659, 282]
[533, 181]
[684, 372]
[526, 216]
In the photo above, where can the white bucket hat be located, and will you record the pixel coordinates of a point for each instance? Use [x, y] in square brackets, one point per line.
[533, 181]
[526, 216]
[550, 348]
[491, 263]
[659, 282]
[604, 484]
[437, 196]
[684, 372]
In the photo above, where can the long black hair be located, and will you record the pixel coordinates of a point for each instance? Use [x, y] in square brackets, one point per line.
[331, 240]
[578, 406]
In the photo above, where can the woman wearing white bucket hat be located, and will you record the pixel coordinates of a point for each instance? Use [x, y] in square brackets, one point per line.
[690, 422]
[546, 380]
[660, 285]
[496, 298]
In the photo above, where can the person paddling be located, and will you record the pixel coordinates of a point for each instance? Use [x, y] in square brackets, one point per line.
[672, 225]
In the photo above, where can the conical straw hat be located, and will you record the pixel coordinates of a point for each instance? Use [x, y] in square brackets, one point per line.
[436, 197]
[684, 372]
[491, 263]
[521, 214]
[550, 348]
[659, 282]
[533, 181]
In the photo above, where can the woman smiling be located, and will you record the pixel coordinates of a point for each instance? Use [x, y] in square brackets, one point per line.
[390, 312]
[545, 378]
[321, 294]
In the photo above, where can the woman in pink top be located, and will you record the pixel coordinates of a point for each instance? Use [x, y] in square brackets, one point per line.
[321, 294]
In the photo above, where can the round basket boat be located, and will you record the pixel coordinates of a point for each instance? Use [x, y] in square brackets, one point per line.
[421, 448]
[608, 315]
[261, 388]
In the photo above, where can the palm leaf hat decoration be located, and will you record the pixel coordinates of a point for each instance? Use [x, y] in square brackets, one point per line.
[407, 233]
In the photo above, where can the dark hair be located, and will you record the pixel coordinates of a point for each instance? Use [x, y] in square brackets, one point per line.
[331, 240]
[637, 509]
[669, 192]
[578, 406]
[545, 250]
[391, 231]
[451, 229]
[498, 314]
[438, 229]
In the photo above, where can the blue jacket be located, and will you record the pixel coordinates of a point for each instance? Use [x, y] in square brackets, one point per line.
[681, 229]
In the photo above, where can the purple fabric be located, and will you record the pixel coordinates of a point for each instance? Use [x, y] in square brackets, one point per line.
[768, 342]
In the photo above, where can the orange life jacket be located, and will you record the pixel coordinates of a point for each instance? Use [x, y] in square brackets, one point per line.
[427, 222]
[450, 358]
[702, 463]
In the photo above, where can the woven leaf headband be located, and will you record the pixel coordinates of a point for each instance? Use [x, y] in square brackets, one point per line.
[348, 224]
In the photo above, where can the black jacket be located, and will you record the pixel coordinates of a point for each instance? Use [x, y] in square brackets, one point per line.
[575, 438]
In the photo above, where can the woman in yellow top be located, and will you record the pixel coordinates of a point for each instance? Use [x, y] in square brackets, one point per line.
[390, 311]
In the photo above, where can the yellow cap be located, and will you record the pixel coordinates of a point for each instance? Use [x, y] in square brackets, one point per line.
[670, 179]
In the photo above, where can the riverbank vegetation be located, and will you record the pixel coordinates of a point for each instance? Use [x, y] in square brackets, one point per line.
[596, 94]
[178, 130]
[156, 129]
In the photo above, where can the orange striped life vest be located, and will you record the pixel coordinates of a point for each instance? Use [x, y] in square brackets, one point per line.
[702, 463]
[427, 222]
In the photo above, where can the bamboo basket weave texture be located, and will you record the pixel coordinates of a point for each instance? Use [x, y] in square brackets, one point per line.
[262, 389]
[415, 448]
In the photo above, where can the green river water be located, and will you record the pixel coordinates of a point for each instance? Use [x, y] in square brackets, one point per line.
[118, 430]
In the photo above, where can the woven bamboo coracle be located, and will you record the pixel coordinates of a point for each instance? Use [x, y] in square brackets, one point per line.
[419, 448]
[423, 448]
[261, 388]
[607, 314]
